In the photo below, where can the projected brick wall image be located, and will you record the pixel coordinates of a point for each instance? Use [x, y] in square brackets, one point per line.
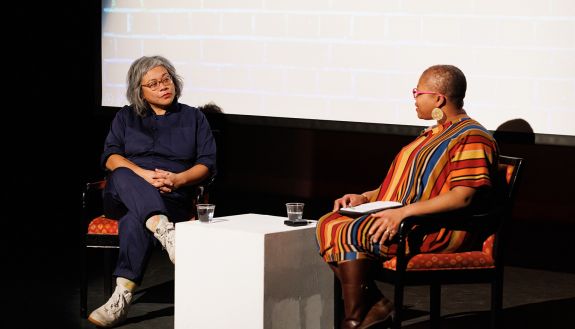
[352, 60]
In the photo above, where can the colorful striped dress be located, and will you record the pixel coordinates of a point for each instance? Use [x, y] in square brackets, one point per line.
[445, 156]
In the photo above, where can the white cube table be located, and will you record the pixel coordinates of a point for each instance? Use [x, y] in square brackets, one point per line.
[250, 271]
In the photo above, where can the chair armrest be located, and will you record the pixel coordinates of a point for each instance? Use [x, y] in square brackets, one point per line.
[489, 221]
[89, 189]
[97, 185]
[91, 203]
[449, 220]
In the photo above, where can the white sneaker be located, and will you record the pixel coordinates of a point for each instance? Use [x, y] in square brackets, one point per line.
[166, 233]
[114, 311]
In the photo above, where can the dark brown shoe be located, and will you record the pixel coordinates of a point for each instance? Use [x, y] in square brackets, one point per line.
[379, 315]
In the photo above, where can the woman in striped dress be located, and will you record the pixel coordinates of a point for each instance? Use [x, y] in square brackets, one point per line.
[447, 167]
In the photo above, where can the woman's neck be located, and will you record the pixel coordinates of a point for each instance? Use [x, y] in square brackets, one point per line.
[158, 110]
[452, 116]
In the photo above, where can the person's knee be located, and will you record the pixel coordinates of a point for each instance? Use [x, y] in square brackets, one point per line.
[124, 179]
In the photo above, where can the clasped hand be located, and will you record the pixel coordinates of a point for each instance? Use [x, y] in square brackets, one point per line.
[385, 222]
[163, 180]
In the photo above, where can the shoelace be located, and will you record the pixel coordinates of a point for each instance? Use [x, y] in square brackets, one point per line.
[117, 304]
[169, 237]
[163, 233]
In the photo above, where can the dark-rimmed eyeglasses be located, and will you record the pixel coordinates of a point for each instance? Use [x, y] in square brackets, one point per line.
[423, 92]
[155, 84]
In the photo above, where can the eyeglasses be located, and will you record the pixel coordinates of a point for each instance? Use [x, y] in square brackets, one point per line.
[154, 84]
[421, 92]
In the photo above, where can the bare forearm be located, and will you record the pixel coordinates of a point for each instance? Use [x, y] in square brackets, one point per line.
[457, 198]
[192, 176]
[116, 161]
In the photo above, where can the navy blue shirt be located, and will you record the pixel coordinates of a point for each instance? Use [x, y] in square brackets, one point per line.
[175, 141]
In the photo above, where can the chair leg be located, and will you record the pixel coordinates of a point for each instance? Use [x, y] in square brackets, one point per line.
[108, 270]
[496, 303]
[84, 284]
[398, 301]
[435, 305]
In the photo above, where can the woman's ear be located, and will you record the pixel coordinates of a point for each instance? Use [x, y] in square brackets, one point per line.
[440, 100]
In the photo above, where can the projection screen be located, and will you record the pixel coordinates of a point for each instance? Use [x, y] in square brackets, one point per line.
[354, 61]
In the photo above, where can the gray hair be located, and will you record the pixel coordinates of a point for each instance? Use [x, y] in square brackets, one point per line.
[137, 70]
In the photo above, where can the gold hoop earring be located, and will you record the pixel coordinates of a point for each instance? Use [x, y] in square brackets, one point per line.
[437, 114]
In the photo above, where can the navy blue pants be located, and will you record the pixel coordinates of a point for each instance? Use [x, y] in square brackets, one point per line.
[132, 200]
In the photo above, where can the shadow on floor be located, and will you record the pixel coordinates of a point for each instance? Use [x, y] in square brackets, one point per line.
[161, 293]
[555, 314]
[164, 312]
[532, 299]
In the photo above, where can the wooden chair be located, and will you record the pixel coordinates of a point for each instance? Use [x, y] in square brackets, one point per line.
[101, 233]
[480, 266]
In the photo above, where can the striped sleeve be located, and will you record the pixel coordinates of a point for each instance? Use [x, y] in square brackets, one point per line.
[472, 160]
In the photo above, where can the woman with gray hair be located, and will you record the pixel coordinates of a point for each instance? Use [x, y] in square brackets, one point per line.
[156, 152]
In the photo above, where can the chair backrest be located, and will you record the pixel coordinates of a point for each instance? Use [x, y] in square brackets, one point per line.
[509, 169]
[506, 182]
[506, 186]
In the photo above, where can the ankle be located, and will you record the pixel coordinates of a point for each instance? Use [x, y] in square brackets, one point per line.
[165, 233]
[153, 222]
[127, 284]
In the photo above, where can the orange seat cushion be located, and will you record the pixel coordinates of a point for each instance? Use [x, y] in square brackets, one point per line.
[103, 225]
[449, 261]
